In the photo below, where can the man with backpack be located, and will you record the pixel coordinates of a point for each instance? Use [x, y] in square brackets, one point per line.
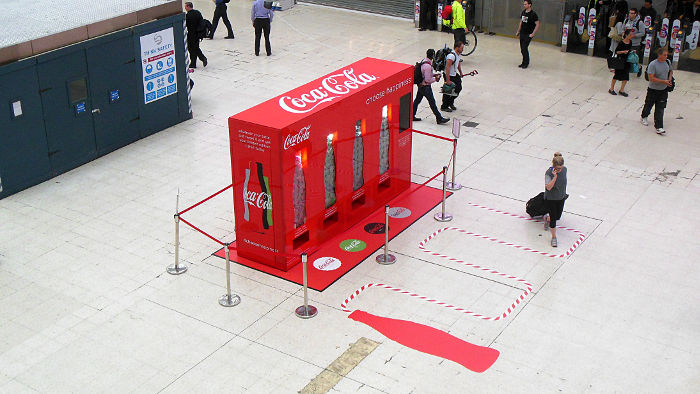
[453, 77]
[195, 25]
[423, 76]
[634, 22]
[660, 76]
[220, 12]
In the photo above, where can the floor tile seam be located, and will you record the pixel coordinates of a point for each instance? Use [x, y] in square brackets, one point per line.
[191, 317]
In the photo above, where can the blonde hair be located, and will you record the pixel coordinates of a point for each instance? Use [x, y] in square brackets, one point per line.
[558, 159]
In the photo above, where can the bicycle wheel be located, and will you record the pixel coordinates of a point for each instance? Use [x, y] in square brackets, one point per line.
[469, 43]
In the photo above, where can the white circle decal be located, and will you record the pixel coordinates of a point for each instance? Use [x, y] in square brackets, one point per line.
[399, 212]
[327, 263]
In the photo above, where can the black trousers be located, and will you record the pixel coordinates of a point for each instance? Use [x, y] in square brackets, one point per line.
[428, 15]
[448, 100]
[554, 209]
[427, 92]
[195, 52]
[524, 44]
[262, 25]
[460, 34]
[220, 12]
[657, 99]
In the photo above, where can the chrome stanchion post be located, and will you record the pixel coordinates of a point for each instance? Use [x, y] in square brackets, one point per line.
[386, 258]
[305, 311]
[442, 216]
[452, 186]
[228, 299]
[177, 269]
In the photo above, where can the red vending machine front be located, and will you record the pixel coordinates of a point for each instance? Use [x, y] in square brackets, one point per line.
[313, 162]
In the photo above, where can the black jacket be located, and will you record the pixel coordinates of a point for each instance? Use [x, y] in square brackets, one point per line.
[193, 20]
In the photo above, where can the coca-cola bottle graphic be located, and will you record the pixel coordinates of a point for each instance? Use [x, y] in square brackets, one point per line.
[299, 193]
[329, 172]
[265, 200]
[246, 211]
[358, 158]
[384, 143]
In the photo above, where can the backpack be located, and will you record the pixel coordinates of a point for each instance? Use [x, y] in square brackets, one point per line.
[535, 206]
[440, 56]
[418, 73]
[204, 29]
[447, 12]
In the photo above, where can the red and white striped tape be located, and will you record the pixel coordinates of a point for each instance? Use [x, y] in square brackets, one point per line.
[423, 244]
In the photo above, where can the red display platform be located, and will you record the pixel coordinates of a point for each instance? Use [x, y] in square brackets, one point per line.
[335, 257]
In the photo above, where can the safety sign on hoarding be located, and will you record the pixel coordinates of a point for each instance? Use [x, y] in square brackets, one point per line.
[158, 64]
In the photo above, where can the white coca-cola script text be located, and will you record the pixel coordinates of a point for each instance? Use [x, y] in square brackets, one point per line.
[260, 200]
[291, 140]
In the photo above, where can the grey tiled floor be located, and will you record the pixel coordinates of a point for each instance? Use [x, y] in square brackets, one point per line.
[86, 305]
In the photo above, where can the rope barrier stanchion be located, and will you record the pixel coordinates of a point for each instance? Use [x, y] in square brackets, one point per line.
[177, 269]
[442, 216]
[386, 258]
[228, 299]
[305, 311]
[453, 186]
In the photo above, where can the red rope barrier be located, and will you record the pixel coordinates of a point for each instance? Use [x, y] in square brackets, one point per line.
[206, 199]
[432, 135]
[205, 234]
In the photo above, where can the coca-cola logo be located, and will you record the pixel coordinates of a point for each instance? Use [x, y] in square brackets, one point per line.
[663, 32]
[332, 87]
[260, 200]
[291, 140]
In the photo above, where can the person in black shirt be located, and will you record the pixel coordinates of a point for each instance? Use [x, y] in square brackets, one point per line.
[529, 24]
[647, 10]
[193, 21]
[623, 49]
[428, 15]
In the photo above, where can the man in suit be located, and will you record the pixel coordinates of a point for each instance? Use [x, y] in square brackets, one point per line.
[220, 12]
[194, 22]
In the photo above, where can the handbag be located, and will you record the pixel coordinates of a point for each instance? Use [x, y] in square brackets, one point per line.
[616, 63]
[614, 35]
[673, 85]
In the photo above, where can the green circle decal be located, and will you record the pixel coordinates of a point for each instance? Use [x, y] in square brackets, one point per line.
[353, 245]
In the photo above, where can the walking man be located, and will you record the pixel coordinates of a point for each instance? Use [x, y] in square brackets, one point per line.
[220, 12]
[425, 89]
[194, 22]
[636, 25]
[459, 24]
[453, 76]
[660, 78]
[528, 27]
[261, 17]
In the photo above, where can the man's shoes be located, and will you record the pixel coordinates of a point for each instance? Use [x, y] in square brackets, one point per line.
[446, 109]
[520, 65]
[415, 119]
[452, 107]
[230, 37]
[269, 54]
[612, 92]
[524, 66]
[443, 120]
[422, 29]
[660, 131]
[204, 62]
[193, 66]
[645, 122]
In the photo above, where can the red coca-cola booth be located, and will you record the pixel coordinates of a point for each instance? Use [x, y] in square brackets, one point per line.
[314, 161]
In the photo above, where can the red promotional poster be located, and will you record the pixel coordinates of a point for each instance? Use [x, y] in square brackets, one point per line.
[312, 162]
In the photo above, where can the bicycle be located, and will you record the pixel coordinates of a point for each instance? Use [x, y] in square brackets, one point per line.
[470, 40]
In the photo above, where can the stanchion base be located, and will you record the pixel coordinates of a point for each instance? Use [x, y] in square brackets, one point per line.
[390, 259]
[180, 269]
[306, 312]
[226, 301]
[440, 218]
[453, 186]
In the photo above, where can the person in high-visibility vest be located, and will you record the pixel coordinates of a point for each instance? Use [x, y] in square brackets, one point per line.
[459, 25]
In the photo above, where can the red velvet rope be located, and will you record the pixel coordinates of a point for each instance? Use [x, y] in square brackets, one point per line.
[432, 135]
[206, 199]
[205, 234]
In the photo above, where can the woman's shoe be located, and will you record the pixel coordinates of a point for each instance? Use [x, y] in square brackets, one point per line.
[623, 93]
[612, 92]
[554, 242]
